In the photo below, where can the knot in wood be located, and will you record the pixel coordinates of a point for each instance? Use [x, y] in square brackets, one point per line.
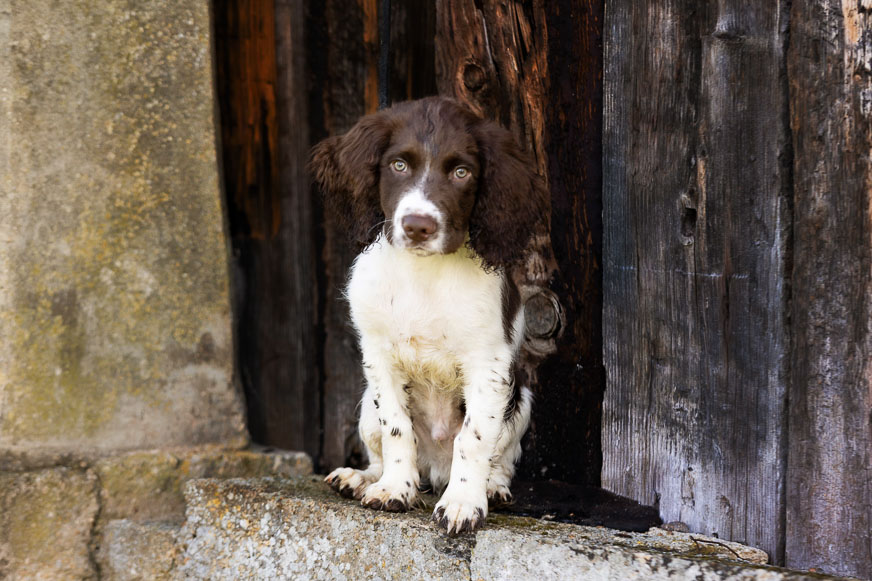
[542, 315]
[474, 77]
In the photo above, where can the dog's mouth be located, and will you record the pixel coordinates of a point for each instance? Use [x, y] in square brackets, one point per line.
[421, 251]
[418, 248]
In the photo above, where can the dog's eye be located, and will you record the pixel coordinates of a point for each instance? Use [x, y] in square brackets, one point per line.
[461, 173]
[399, 165]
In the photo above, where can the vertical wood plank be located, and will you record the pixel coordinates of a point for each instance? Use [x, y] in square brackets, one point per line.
[536, 67]
[572, 381]
[493, 59]
[697, 223]
[294, 387]
[829, 489]
[260, 75]
[259, 193]
[343, 62]
[413, 28]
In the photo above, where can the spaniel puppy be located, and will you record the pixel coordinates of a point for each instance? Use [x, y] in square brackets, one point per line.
[443, 203]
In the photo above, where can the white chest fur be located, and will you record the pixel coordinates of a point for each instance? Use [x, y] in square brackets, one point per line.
[430, 313]
[438, 367]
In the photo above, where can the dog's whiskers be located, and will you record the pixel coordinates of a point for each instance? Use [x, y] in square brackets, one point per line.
[382, 223]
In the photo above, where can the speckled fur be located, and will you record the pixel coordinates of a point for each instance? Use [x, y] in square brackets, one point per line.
[435, 334]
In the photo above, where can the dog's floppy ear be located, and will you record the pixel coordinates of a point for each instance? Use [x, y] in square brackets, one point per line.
[511, 198]
[346, 169]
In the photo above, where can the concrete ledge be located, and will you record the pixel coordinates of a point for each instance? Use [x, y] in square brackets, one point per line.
[299, 529]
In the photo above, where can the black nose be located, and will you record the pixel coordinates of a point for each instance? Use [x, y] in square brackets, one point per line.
[418, 227]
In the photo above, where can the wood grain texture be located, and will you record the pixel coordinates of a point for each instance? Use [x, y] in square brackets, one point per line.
[270, 214]
[492, 58]
[290, 73]
[829, 485]
[413, 28]
[345, 77]
[294, 391]
[572, 381]
[536, 68]
[246, 76]
[697, 224]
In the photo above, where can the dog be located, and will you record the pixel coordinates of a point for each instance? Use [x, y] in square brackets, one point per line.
[444, 204]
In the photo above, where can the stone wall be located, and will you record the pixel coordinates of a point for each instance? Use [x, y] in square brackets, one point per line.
[114, 298]
[115, 323]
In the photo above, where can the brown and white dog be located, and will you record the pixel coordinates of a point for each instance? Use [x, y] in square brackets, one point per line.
[444, 203]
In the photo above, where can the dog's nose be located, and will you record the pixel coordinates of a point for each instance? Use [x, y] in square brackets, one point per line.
[419, 227]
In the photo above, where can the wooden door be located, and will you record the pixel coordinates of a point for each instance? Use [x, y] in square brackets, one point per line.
[738, 271]
[291, 73]
[712, 288]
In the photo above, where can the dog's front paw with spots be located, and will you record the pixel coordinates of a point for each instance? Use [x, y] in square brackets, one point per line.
[392, 497]
[459, 512]
[498, 495]
[349, 482]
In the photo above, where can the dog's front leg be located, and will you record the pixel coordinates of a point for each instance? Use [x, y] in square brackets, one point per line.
[463, 506]
[397, 489]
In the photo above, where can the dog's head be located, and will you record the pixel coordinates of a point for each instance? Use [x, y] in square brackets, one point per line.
[430, 174]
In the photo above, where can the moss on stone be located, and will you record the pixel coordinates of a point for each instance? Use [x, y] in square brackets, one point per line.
[149, 485]
[114, 258]
[46, 518]
[298, 527]
[134, 550]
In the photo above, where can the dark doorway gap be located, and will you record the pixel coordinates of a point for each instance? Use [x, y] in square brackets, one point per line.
[580, 504]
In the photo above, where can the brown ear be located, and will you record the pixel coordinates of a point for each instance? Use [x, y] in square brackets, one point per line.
[346, 169]
[511, 198]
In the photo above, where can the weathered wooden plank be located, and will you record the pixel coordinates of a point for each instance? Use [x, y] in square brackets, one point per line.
[572, 382]
[491, 56]
[245, 75]
[697, 218]
[413, 72]
[536, 67]
[294, 390]
[245, 63]
[829, 486]
[260, 72]
[344, 57]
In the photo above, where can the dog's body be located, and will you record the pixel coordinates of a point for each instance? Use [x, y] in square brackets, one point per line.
[440, 321]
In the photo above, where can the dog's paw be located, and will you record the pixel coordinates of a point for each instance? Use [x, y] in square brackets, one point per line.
[390, 497]
[498, 495]
[456, 513]
[349, 482]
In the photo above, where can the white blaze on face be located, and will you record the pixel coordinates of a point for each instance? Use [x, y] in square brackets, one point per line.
[414, 202]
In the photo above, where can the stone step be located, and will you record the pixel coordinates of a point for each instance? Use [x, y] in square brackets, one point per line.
[299, 529]
[132, 550]
[108, 517]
